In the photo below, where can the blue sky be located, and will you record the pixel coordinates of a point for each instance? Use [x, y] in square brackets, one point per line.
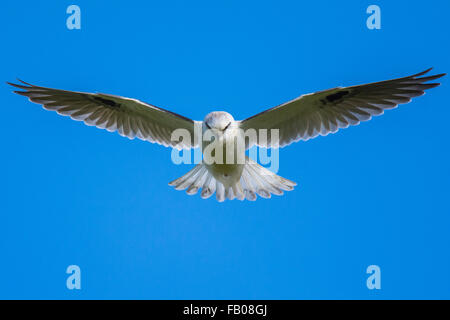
[372, 194]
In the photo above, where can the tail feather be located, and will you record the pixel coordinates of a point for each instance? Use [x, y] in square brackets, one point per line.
[255, 180]
[220, 191]
[229, 194]
[209, 187]
[248, 187]
[238, 191]
[262, 189]
[267, 181]
[184, 181]
[199, 181]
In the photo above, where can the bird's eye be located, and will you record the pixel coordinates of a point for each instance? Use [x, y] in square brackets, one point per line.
[227, 126]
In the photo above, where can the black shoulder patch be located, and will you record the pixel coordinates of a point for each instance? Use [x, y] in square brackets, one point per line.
[107, 102]
[336, 96]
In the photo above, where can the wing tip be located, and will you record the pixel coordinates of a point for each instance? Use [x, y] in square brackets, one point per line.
[24, 86]
[437, 76]
[22, 93]
[424, 72]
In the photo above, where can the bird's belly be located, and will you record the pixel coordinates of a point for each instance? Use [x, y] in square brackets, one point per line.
[228, 166]
[228, 174]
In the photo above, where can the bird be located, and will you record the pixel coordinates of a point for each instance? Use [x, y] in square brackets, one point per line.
[303, 118]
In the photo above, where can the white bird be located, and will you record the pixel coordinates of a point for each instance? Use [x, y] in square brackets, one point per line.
[303, 118]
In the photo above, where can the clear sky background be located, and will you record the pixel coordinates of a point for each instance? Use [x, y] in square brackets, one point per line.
[373, 194]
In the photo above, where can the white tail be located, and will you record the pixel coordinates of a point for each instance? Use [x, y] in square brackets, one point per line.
[255, 180]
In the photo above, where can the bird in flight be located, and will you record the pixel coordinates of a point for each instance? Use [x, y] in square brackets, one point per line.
[303, 118]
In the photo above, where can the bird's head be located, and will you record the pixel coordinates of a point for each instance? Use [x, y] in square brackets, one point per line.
[219, 121]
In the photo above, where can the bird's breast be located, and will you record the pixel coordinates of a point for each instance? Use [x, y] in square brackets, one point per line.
[224, 157]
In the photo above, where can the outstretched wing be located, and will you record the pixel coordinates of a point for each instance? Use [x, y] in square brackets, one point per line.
[328, 111]
[129, 117]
